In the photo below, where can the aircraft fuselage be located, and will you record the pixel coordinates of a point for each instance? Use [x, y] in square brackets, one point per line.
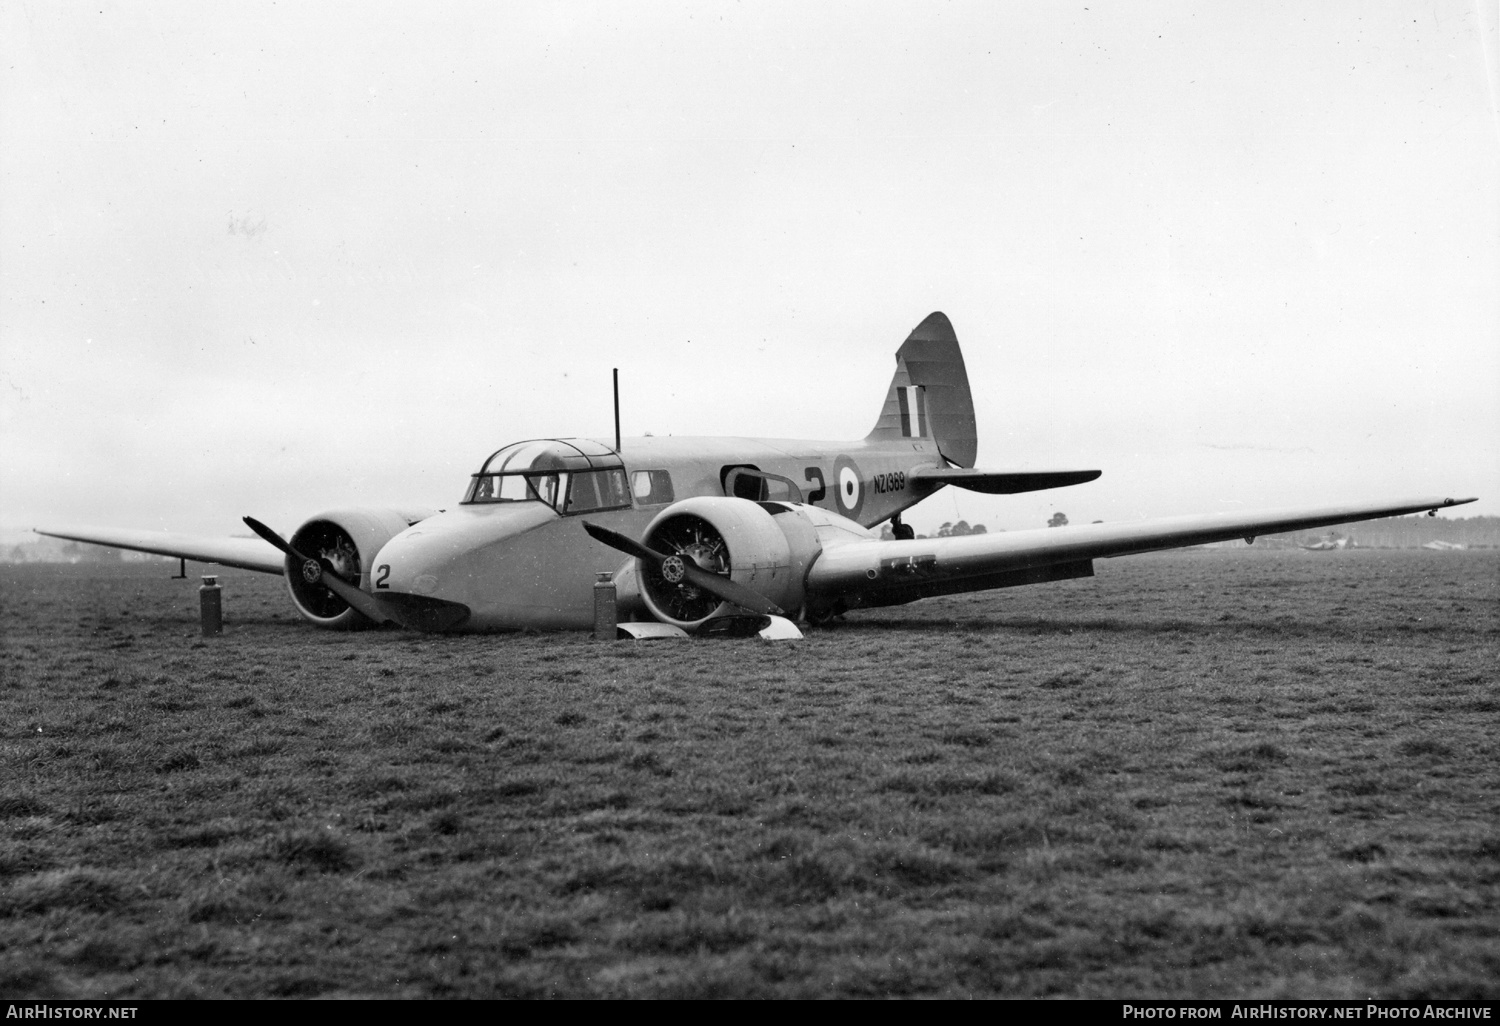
[517, 565]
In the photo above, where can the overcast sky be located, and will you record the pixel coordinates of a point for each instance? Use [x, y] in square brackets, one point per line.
[275, 258]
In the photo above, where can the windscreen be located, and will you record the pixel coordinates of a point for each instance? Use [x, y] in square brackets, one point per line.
[555, 472]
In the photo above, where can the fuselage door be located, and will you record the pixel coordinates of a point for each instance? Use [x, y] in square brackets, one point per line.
[748, 482]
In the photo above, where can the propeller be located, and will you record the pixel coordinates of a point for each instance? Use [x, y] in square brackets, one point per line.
[677, 567]
[315, 571]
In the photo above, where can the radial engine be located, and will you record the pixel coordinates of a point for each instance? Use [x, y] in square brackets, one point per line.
[348, 540]
[766, 546]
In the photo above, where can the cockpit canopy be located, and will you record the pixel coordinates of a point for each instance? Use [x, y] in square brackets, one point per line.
[572, 476]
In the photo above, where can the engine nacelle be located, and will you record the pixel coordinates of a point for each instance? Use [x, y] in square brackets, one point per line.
[348, 539]
[767, 547]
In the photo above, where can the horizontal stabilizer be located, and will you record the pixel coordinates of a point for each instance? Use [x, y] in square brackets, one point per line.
[244, 553]
[1000, 482]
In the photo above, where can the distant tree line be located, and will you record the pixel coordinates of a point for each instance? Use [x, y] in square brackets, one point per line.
[947, 530]
[53, 550]
[1411, 532]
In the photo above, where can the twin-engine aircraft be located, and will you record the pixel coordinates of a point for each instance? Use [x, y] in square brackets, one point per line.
[717, 531]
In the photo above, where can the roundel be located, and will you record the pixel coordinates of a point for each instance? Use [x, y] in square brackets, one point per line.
[851, 489]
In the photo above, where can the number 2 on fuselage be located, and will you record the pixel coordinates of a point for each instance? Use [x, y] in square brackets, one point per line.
[817, 495]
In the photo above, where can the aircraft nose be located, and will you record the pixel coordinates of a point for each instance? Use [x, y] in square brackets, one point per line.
[430, 577]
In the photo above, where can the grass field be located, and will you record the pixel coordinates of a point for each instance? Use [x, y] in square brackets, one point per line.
[1209, 774]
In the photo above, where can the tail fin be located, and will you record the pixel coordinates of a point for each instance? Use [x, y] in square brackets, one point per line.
[929, 396]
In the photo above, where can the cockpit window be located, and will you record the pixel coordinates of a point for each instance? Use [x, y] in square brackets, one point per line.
[500, 488]
[573, 476]
[597, 489]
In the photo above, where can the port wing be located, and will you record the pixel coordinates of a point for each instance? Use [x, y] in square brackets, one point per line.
[244, 553]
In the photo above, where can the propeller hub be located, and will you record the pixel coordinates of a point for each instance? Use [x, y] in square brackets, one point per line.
[673, 570]
[312, 571]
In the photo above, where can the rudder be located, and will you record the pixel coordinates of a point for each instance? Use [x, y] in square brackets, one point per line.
[929, 394]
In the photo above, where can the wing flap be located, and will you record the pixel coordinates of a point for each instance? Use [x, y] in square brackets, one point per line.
[935, 565]
[242, 553]
[999, 482]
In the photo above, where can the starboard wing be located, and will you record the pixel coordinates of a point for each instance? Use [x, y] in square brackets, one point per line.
[999, 482]
[243, 553]
[876, 572]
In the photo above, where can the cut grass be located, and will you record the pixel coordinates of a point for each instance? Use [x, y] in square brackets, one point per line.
[1198, 774]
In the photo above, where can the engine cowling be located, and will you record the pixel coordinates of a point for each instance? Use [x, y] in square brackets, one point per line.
[348, 539]
[766, 547]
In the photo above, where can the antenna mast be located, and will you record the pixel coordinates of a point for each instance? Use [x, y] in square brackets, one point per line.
[617, 409]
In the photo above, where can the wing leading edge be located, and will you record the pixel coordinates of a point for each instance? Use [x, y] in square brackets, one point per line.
[243, 553]
[882, 572]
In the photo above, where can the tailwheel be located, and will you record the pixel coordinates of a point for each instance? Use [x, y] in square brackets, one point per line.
[824, 614]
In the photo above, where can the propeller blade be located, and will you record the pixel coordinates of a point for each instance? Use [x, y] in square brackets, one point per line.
[272, 537]
[316, 571]
[710, 582]
[629, 546]
[729, 591]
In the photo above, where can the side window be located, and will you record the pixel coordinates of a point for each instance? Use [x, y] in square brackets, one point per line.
[780, 489]
[550, 488]
[612, 488]
[598, 489]
[651, 487]
[759, 486]
[748, 486]
[512, 488]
